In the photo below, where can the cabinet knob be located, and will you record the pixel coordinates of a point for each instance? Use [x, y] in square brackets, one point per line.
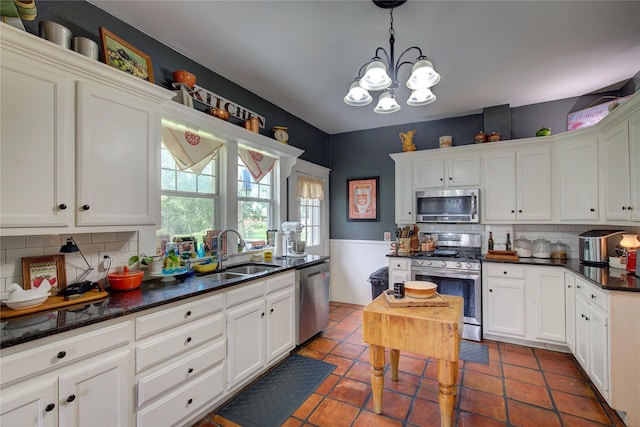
[262, 315]
[441, 179]
[504, 272]
[513, 211]
[519, 210]
[71, 398]
[190, 370]
[50, 407]
[593, 296]
[188, 313]
[490, 290]
[569, 286]
[188, 339]
[450, 179]
[271, 311]
[578, 286]
[62, 206]
[61, 354]
[592, 210]
[189, 402]
[86, 207]
[630, 208]
[586, 318]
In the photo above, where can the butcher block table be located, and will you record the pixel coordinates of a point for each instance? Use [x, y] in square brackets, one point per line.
[431, 331]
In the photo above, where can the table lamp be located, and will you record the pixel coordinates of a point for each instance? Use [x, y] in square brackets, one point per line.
[630, 244]
[71, 247]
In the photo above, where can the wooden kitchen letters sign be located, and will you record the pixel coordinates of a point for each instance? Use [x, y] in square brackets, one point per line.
[216, 101]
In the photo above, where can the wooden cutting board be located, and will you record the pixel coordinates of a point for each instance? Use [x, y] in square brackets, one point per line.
[503, 255]
[52, 303]
[436, 300]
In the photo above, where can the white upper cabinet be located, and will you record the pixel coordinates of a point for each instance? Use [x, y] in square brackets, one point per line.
[447, 172]
[80, 142]
[576, 189]
[405, 196]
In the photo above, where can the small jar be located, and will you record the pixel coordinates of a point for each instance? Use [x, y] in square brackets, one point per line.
[523, 247]
[541, 248]
[559, 250]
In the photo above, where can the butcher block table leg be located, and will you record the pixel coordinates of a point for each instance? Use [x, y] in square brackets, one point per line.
[430, 331]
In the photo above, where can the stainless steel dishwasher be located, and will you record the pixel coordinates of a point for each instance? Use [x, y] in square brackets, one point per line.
[312, 300]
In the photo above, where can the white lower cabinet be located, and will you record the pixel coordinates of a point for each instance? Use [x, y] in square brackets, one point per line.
[592, 333]
[504, 296]
[77, 381]
[546, 304]
[399, 270]
[570, 310]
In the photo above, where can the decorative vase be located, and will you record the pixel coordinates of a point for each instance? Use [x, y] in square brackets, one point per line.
[184, 77]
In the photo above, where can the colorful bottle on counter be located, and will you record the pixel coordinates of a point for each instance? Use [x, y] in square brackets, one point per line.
[508, 245]
[490, 242]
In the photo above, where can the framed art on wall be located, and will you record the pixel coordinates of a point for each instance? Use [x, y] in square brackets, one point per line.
[362, 199]
[121, 55]
[37, 268]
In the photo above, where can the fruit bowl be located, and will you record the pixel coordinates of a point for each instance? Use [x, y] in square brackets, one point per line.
[419, 289]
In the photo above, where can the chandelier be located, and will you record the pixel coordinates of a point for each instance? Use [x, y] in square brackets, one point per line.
[381, 74]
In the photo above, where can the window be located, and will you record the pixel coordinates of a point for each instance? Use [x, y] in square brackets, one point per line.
[189, 201]
[310, 218]
[255, 204]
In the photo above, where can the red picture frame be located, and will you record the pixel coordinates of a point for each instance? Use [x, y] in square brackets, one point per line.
[362, 199]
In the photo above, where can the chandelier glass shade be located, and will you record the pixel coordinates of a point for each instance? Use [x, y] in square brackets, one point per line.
[381, 74]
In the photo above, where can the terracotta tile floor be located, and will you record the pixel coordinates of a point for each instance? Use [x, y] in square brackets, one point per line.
[521, 386]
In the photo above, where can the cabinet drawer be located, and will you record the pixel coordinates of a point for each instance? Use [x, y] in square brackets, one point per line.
[400, 263]
[185, 401]
[280, 282]
[593, 294]
[165, 319]
[185, 369]
[179, 341]
[245, 293]
[504, 270]
[54, 355]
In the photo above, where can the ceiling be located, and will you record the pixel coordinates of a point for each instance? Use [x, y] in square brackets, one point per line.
[302, 55]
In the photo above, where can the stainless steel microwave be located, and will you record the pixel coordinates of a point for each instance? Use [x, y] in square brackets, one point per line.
[448, 206]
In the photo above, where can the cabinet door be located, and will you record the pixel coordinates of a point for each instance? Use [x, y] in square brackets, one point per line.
[98, 394]
[404, 193]
[499, 193]
[36, 407]
[463, 172]
[505, 308]
[599, 350]
[578, 180]
[428, 174]
[534, 185]
[280, 323]
[118, 157]
[634, 156]
[36, 130]
[549, 305]
[582, 332]
[245, 341]
[615, 154]
[570, 311]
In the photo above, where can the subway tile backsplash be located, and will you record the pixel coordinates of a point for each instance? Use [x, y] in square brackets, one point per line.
[119, 246]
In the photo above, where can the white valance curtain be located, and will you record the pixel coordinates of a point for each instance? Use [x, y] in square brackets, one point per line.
[310, 188]
[190, 150]
[257, 163]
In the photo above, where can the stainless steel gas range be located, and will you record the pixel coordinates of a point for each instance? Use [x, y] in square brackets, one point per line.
[455, 267]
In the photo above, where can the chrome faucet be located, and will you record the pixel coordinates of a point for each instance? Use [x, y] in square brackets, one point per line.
[219, 249]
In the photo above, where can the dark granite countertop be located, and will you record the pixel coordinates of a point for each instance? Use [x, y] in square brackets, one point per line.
[612, 279]
[152, 293]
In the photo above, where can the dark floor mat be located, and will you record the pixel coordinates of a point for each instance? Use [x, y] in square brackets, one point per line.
[274, 397]
[474, 352]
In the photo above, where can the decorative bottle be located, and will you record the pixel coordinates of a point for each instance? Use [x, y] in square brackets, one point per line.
[508, 245]
[490, 242]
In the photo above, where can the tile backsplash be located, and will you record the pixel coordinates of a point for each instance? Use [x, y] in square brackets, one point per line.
[119, 246]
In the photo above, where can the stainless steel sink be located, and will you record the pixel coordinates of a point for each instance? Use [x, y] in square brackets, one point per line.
[225, 275]
[251, 269]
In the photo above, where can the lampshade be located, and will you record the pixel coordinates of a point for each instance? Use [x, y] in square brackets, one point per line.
[357, 95]
[376, 77]
[423, 75]
[387, 103]
[69, 247]
[421, 97]
[630, 241]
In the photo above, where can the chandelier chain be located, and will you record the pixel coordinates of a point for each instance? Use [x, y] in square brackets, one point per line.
[392, 32]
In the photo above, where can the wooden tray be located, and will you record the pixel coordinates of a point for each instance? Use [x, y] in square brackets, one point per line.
[52, 303]
[503, 255]
[436, 300]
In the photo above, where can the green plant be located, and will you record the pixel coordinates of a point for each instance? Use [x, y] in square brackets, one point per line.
[144, 259]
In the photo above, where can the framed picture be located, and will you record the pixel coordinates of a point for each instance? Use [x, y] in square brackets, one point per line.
[362, 199]
[186, 247]
[36, 269]
[162, 240]
[121, 55]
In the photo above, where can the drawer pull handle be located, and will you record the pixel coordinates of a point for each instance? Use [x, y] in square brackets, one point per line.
[50, 407]
[71, 398]
[190, 370]
[188, 313]
[61, 354]
[62, 206]
[86, 207]
[189, 402]
[188, 339]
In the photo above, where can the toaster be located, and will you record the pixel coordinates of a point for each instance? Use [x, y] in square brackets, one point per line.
[595, 246]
